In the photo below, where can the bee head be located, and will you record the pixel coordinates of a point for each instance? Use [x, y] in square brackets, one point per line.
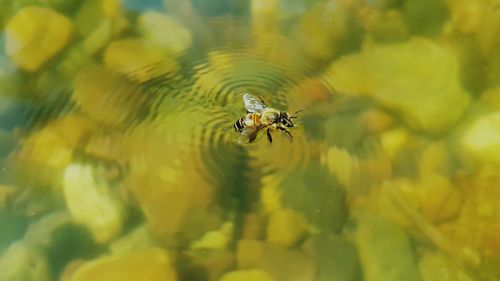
[285, 119]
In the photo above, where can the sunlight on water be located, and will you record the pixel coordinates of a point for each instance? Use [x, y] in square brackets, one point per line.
[119, 159]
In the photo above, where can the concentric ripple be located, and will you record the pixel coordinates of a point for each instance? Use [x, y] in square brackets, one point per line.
[197, 113]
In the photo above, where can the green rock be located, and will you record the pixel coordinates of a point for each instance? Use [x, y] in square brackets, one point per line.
[88, 17]
[336, 258]
[425, 17]
[23, 262]
[13, 227]
[418, 80]
[7, 142]
[384, 250]
[317, 195]
[69, 242]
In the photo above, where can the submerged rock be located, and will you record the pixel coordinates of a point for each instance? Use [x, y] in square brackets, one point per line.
[482, 138]
[247, 275]
[438, 267]
[36, 34]
[217, 239]
[249, 253]
[91, 203]
[335, 257]
[207, 265]
[286, 227]
[165, 31]
[264, 15]
[137, 239]
[323, 27]
[317, 195]
[384, 251]
[418, 79]
[439, 199]
[280, 262]
[167, 181]
[42, 159]
[22, 262]
[151, 264]
[106, 97]
[139, 59]
[287, 264]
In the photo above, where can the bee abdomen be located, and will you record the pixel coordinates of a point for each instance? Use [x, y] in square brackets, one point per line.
[239, 125]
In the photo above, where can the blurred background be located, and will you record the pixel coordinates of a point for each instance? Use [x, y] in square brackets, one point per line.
[119, 161]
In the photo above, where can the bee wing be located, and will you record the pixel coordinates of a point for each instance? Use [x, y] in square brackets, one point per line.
[250, 133]
[253, 104]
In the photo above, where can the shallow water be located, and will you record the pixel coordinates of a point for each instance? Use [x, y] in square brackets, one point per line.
[119, 160]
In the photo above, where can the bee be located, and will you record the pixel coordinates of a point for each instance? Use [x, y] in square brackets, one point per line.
[259, 116]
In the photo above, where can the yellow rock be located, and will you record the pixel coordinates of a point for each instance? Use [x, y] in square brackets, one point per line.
[377, 121]
[264, 14]
[247, 275]
[466, 15]
[249, 253]
[111, 8]
[475, 232]
[381, 200]
[286, 226]
[98, 38]
[482, 138]
[43, 158]
[106, 146]
[439, 267]
[342, 164]
[438, 198]
[165, 177]
[94, 13]
[270, 195]
[34, 35]
[91, 203]
[47, 147]
[105, 96]
[321, 27]
[46, 153]
[99, 22]
[137, 240]
[148, 265]
[434, 159]
[415, 79]
[393, 140]
[217, 239]
[138, 59]
[73, 128]
[165, 31]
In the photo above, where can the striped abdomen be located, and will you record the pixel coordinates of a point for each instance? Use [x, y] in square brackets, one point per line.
[239, 125]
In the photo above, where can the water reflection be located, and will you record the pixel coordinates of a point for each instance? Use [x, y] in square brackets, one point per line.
[119, 159]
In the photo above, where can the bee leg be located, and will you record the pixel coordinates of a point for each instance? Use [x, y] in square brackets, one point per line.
[286, 131]
[269, 137]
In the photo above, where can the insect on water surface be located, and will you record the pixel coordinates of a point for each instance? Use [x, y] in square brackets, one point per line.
[259, 117]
